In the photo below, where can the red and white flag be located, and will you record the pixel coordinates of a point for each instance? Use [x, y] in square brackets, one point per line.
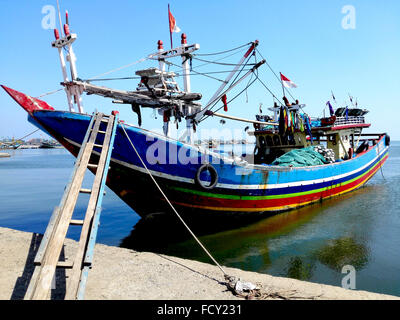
[287, 82]
[172, 23]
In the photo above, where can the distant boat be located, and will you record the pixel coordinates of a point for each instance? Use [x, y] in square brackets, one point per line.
[49, 145]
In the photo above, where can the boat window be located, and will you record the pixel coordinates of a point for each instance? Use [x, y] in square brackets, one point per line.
[277, 141]
[269, 141]
[262, 141]
[332, 138]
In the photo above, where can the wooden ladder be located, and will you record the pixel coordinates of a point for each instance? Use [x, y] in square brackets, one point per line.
[48, 255]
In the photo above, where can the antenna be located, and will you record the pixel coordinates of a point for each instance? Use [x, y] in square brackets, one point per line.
[59, 17]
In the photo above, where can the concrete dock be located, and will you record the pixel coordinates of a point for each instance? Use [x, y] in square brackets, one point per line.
[120, 273]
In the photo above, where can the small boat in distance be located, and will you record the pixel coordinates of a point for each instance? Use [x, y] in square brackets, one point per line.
[297, 159]
[47, 144]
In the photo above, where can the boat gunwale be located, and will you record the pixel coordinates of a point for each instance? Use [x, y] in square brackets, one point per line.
[232, 160]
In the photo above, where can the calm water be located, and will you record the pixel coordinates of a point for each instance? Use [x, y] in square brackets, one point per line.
[314, 243]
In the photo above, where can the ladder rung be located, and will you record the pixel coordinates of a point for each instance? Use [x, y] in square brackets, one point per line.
[76, 222]
[65, 264]
[91, 165]
[89, 191]
[98, 145]
[104, 120]
[101, 131]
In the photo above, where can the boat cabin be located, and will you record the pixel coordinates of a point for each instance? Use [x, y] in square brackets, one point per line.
[340, 133]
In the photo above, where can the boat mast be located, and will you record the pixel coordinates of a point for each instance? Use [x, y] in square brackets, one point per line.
[161, 64]
[65, 42]
[186, 86]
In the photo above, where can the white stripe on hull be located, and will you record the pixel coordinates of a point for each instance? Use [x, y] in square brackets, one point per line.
[236, 186]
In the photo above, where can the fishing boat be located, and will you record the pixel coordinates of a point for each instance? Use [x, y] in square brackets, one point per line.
[202, 181]
[49, 145]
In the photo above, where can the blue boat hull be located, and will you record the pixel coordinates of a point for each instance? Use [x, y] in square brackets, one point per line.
[240, 187]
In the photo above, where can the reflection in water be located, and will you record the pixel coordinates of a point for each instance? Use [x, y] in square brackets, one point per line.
[160, 230]
[299, 269]
[233, 240]
[293, 244]
[335, 254]
[345, 251]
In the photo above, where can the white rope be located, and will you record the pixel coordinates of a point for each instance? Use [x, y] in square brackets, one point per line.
[379, 159]
[123, 67]
[48, 93]
[173, 208]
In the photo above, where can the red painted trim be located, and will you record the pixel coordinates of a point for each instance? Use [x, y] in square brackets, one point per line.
[348, 126]
[360, 125]
[29, 103]
[251, 48]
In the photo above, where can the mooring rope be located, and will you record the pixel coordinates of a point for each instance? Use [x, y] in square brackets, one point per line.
[170, 204]
[379, 159]
[9, 143]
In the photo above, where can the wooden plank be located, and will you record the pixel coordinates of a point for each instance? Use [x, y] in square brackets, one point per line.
[96, 222]
[65, 264]
[32, 284]
[72, 286]
[47, 235]
[96, 218]
[43, 284]
[33, 281]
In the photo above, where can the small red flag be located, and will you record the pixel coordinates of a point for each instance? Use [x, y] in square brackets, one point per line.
[172, 23]
[287, 82]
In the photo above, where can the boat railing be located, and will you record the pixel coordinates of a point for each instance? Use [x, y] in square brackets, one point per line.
[349, 120]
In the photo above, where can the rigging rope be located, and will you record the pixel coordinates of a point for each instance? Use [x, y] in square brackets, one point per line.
[49, 93]
[123, 67]
[272, 70]
[199, 73]
[176, 75]
[170, 204]
[222, 52]
[248, 85]
[221, 63]
[204, 64]
[265, 86]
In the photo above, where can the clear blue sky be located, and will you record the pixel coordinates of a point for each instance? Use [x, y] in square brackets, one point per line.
[302, 39]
